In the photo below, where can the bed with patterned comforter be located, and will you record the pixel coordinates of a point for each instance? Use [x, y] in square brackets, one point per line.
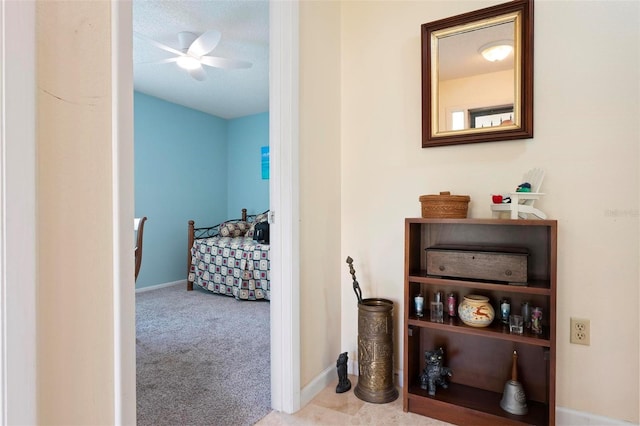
[235, 266]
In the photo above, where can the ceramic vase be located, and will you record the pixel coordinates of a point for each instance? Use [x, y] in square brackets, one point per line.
[476, 311]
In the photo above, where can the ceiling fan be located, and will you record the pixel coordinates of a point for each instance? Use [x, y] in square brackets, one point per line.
[193, 53]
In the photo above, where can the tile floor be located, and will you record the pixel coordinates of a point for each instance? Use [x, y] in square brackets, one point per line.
[331, 408]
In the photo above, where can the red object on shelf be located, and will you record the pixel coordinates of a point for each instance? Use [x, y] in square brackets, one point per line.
[497, 199]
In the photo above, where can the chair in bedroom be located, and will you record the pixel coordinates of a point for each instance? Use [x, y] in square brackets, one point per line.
[138, 226]
[521, 205]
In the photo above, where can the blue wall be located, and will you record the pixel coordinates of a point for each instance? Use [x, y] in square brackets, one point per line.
[181, 170]
[245, 186]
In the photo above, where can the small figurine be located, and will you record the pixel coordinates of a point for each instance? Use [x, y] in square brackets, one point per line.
[500, 199]
[434, 373]
[524, 187]
[344, 384]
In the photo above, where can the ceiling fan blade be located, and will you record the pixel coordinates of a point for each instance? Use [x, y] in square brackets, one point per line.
[224, 63]
[205, 43]
[198, 73]
[164, 61]
[158, 44]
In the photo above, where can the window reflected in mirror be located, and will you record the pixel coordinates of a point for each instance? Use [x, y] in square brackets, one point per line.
[467, 80]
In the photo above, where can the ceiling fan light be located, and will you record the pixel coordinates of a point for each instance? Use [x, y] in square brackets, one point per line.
[496, 51]
[188, 62]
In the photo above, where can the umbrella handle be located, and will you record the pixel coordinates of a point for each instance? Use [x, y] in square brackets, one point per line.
[356, 286]
[357, 291]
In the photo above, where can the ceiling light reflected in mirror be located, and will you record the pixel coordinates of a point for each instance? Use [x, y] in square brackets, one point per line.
[497, 50]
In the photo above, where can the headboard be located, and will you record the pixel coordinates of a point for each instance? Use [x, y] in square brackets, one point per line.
[212, 231]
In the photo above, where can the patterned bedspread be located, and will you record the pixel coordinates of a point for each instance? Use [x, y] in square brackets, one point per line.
[237, 267]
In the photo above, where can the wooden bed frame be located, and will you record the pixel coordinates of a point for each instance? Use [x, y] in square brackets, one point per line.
[194, 233]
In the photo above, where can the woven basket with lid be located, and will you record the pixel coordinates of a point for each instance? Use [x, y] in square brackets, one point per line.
[445, 206]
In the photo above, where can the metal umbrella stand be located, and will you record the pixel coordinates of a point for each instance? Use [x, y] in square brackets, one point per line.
[375, 347]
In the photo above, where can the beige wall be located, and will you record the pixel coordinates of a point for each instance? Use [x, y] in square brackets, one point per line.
[480, 91]
[321, 265]
[586, 137]
[75, 279]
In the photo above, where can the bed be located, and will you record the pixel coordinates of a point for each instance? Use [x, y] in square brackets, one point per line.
[225, 259]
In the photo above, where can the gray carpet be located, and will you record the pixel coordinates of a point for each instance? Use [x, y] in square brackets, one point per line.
[202, 358]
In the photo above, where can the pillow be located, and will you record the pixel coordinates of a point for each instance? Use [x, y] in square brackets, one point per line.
[262, 217]
[233, 229]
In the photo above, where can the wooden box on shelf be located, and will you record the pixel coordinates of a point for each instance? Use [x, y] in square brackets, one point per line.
[478, 263]
[481, 357]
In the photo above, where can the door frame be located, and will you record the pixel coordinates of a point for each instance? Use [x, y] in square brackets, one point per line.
[124, 311]
[17, 212]
[284, 189]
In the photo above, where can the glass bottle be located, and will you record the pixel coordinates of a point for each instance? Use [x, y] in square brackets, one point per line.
[419, 305]
[437, 308]
[526, 314]
[505, 310]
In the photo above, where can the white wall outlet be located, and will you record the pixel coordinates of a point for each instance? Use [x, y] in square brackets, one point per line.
[580, 331]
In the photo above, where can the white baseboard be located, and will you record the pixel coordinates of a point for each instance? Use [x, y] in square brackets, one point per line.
[397, 378]
[564, 416]
[320, 382]
[569, 417]
[163, 285]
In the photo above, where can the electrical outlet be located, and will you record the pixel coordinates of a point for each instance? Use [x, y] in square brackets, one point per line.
[580, 331]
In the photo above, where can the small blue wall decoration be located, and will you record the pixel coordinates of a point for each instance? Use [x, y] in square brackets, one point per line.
[264, 160]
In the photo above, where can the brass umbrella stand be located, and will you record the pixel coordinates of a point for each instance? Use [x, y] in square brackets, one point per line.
[375, 347]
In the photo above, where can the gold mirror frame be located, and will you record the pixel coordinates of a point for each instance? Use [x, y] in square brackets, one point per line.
[520, 12]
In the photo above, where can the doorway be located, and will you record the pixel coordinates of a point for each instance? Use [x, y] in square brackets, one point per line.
[285, 344]
[284, 309]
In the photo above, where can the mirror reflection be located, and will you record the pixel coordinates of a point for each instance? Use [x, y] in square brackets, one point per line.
[476, 78]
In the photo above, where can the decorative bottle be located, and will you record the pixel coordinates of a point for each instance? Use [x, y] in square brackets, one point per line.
[419, 304]
[505, 310]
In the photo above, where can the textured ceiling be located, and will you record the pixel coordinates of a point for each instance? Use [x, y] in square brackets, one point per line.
[460, 56]
[244, 25]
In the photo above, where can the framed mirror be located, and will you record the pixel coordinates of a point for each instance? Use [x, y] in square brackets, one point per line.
[477, 76]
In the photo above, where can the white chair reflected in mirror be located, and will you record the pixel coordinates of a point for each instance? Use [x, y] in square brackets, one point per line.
[138, 226]
[522, 203]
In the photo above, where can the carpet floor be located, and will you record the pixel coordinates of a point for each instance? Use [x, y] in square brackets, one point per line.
[202, 358]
